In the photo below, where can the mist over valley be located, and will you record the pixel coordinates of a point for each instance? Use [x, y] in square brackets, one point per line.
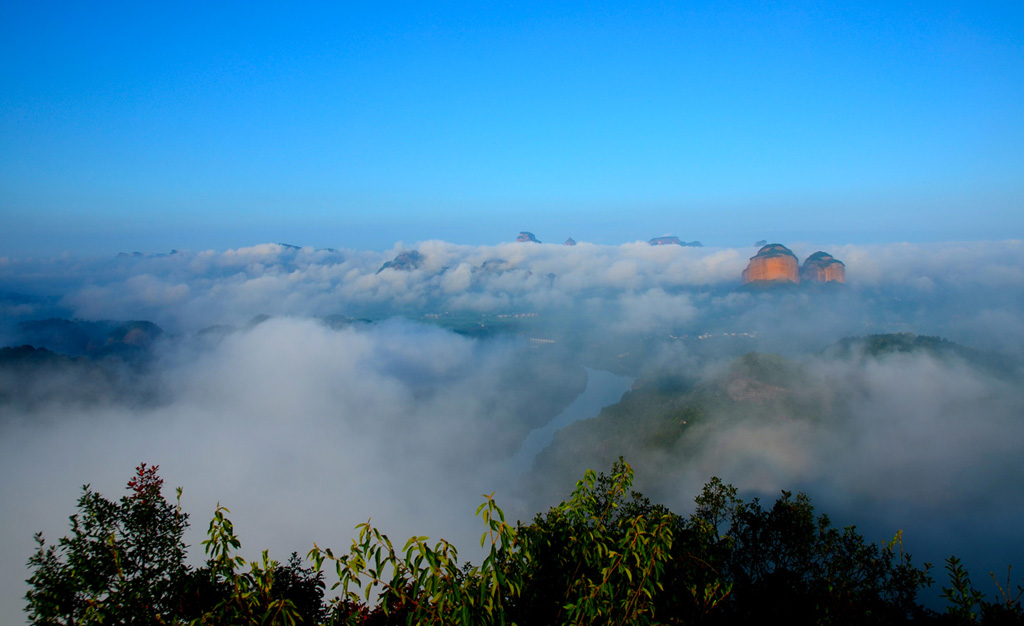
[308, 390]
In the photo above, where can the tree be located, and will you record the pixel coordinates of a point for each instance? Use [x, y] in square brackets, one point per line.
[226, 593]
[787, 561]
[599, 557]
[607, 555]
[123, 562]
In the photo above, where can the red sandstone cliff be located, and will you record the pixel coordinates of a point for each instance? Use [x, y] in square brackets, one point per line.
[772, 262]
[822, 267]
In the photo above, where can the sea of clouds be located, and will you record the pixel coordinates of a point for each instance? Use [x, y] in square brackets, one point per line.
[628, 287]
[304, 429]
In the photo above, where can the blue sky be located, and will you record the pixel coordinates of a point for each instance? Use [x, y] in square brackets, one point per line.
[157, 126]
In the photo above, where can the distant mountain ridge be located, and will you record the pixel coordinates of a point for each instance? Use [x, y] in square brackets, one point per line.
[95, 339]
[666, 413]
[882, 345]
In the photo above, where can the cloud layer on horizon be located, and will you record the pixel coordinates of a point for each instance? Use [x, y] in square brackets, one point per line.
[636, 284]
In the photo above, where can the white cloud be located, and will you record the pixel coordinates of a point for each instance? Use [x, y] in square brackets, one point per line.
[305, 431]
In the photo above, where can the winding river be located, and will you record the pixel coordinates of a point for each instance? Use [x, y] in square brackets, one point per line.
[603, 388]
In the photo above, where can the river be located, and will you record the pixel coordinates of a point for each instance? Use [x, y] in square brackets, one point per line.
[603, 388]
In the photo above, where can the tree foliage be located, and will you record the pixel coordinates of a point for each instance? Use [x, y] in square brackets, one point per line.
[121, 563]
[606, 555]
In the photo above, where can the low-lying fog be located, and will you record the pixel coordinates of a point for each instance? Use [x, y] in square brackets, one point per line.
[402, 395]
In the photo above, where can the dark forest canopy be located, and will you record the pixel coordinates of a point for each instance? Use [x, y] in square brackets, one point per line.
[605, 555]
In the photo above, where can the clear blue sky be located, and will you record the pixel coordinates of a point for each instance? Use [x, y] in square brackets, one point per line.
[156, 125]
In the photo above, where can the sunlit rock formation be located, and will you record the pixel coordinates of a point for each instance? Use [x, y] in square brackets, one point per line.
[526, 236]
[773, 262]
[822, 267]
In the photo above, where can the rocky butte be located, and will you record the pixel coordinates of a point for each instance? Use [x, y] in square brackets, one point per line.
[525, 236]
[822, 267]
[773, 262]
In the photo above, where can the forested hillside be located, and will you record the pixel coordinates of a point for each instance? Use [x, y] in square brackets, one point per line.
[788, 416]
